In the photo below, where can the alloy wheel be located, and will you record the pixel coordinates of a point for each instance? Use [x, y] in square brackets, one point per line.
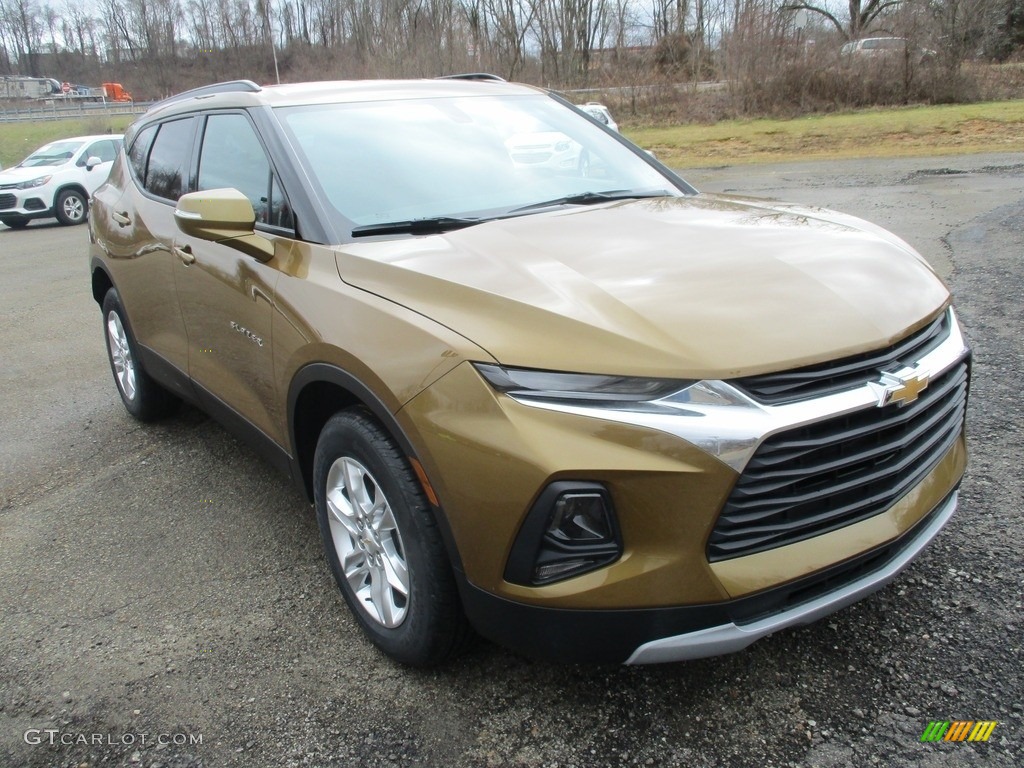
[367, 541]
[73, 207]
[121, 355]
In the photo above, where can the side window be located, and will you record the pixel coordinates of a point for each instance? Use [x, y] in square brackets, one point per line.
[168, 159]
[280, 213]
[140, 151]
[107, 151]
[104, 150]
[232, 156]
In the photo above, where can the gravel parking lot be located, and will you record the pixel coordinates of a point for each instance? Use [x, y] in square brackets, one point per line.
[165, 601]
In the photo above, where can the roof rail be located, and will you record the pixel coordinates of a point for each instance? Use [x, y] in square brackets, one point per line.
[474, 76]
[230, 86]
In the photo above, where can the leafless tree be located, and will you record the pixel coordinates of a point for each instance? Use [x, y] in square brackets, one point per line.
[861, 14]
[23, 29]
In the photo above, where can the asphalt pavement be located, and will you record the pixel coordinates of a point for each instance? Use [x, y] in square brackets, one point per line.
[165, 602]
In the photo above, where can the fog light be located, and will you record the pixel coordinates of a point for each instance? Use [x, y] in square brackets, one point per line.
[570, 529]
[580, 517]
[555, 570]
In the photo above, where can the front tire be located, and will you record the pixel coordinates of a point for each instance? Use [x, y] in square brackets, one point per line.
[143, 398]
[71, 207]
[15, 222]
[382, 543]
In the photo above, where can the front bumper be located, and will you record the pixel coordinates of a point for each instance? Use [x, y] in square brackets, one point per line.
[26, 204]
[670, 472]
[648, 636]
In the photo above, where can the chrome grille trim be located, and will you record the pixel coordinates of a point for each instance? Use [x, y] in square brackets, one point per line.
[847, 373]
[733, 428]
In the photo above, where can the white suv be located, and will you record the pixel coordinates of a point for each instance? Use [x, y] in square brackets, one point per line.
[600, 113]
[57, 180]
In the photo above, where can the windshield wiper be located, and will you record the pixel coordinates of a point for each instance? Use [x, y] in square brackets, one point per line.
[433, 226]
[590, 198]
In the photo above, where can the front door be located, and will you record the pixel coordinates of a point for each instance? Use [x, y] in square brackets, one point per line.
[227, 297]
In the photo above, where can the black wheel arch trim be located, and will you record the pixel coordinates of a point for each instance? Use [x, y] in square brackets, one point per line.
[328, 373]
[72, 185]
[96, 264]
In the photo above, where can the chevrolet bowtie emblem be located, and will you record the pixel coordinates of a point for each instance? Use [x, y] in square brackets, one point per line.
[902, 387]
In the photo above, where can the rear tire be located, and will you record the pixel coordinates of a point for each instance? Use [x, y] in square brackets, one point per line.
[383, 545]
[143, 398]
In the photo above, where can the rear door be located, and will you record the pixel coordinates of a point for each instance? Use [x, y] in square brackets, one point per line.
[136, 212]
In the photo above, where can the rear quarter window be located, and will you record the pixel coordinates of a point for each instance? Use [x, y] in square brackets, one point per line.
[140, 152]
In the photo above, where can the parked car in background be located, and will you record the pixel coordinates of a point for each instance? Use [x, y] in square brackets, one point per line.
[600, 113]
[884, 48]
[581, 408]
[56, 180]
[544, 149]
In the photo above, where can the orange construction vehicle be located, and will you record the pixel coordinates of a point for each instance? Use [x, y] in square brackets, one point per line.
[116, 92]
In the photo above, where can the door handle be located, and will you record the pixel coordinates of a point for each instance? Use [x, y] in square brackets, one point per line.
[121, 218]
[185, 254]
[259, 293]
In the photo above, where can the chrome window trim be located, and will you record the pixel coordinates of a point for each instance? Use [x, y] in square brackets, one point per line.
[730, 425]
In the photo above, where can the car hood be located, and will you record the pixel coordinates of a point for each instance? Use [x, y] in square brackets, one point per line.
[696, 287]
[18, 175]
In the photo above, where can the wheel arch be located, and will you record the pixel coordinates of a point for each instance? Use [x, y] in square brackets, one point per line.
[317, 392]
[73, 185]
[101, 282]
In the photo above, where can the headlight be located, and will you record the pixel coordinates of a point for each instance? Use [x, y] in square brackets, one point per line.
[712, 415]
[32, 184]
[562, 146]
[525, 383]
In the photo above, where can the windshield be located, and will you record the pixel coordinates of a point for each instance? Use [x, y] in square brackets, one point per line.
[465, 157]
[57, 153]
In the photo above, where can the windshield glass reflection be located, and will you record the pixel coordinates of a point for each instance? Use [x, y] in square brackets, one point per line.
[469, 157]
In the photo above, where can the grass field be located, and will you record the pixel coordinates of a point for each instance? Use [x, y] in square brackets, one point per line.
[17, 140]
[900, 132]
[903, 132]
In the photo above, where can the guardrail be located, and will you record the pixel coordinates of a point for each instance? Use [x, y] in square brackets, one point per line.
[61, 109]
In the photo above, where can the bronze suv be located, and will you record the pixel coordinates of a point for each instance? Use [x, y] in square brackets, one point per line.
[534, 383]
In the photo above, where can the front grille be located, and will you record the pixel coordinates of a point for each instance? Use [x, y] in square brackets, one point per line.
[531, 157]
[848, 373]
[7, 201]
[813, 479]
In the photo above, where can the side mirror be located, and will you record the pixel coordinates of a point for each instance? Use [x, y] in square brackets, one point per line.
[222, 216]
[92, 162]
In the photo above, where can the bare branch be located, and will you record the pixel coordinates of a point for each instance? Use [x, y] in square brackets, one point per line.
[820, 11]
